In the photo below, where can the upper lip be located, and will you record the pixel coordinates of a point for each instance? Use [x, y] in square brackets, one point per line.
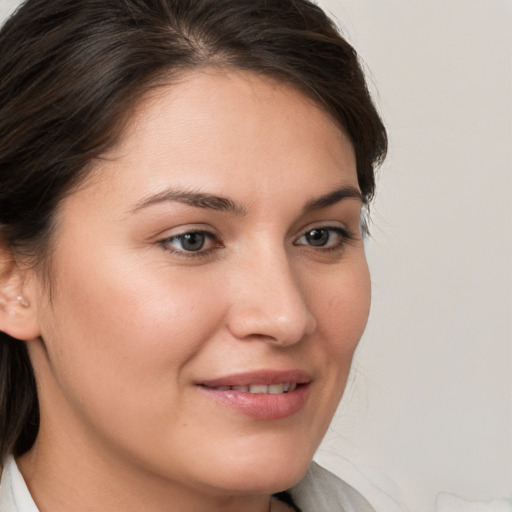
[264, 377]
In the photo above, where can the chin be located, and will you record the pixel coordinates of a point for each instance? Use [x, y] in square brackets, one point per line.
[268, 479]
[266, 468]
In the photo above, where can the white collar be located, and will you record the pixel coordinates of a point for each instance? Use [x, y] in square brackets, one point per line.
[14, 493]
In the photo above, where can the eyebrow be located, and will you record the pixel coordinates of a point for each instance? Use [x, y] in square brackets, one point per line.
[223, 204]
[196, 199]
[346, 192]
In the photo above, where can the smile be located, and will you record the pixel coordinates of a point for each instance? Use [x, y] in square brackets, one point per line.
[272, 389]
[262, 394]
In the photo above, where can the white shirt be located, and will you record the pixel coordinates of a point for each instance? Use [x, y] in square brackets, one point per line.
[318, 491]
[14, 493]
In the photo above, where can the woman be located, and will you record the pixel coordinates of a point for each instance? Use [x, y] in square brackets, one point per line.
[183, 280]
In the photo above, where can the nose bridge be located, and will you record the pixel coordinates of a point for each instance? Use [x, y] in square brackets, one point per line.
[269, 300]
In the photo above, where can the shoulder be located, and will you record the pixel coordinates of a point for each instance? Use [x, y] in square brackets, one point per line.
[322, 491]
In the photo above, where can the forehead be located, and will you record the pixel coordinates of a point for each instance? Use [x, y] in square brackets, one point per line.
[206, 101]
[229, 131]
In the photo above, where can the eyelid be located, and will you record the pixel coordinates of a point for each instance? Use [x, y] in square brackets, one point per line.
[333, 225]
[343, 232]
[209, 234]
[185, 229]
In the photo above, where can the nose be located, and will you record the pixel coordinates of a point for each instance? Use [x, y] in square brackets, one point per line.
[268, 302]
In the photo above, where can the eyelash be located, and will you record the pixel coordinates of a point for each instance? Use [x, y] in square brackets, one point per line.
[166, 244]
[344, 235]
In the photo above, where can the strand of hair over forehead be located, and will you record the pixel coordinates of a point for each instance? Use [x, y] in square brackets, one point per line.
[281, 21]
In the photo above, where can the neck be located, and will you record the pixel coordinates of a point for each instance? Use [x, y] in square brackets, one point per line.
[61, 484]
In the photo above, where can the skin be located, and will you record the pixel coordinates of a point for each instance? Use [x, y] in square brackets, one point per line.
[135, 320]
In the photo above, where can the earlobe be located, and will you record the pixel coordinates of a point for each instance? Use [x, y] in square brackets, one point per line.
[18, 317]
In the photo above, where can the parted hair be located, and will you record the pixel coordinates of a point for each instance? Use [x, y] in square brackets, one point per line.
[70, 74]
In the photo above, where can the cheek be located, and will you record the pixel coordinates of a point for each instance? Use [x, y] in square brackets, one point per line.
[116, 324]
[119, 352]
[340, 303]
[343, 307]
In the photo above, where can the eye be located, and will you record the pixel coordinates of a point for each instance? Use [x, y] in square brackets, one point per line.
[198, 242]
[328, 237]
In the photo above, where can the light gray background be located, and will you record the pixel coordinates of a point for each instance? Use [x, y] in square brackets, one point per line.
[429, 405]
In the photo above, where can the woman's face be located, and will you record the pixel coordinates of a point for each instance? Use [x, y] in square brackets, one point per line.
[212, 261]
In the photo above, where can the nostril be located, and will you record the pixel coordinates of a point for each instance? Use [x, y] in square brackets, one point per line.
[269, 301]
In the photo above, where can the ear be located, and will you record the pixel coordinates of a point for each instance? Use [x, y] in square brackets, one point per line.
[18, 316]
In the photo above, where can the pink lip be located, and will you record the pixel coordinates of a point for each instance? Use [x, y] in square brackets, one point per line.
[266, 377]
[261, 406]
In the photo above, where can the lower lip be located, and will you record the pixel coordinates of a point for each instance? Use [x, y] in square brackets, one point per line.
[262, 406]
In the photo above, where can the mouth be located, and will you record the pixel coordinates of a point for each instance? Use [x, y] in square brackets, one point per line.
[263, 395]
[272, 389]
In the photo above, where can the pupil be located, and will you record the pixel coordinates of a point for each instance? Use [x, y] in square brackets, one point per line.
[317, 237]
[193, 241]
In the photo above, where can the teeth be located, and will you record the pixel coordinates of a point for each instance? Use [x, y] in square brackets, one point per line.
[272, 389]
[258, 388]
[240, 388]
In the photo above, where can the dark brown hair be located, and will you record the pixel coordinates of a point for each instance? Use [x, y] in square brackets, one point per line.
[70, 73]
